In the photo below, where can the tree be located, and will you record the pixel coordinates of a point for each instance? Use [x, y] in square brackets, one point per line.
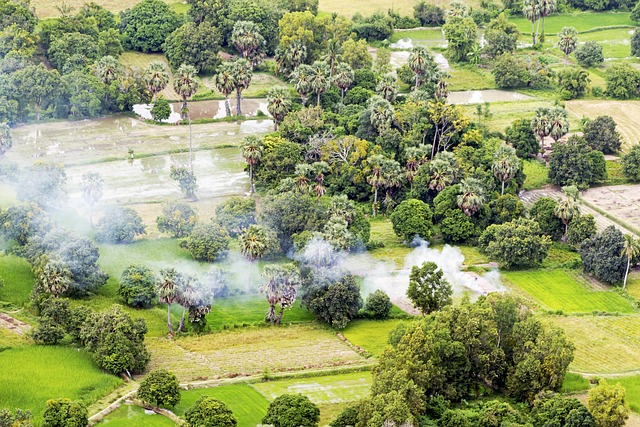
[551, 409]
[558, 123]
[428, 290]
[336, 303]
[511, 72]
[635, 39]
[92, 190]
[429, 15]
[383, 173]
[422, 64]
[520, 136]
[343, 78]
[519, 243]
[225, 83]
[320, 79]
[119, 225]
[161, 109]
[387, 87]
[600, 133]
[137, 286]
[248, 41]
[292, 410]
[252, 151]
[589, 54]
[567, 40]
[72, 51]
[177, 219]
[543, 212]
[147, 25]
[603, 256]
[65, 413]
[37, 85]
[281, 289]
[107, 69]
[167, 290]
[291, 57]
[547, 7]
[574, 163]
[254, 242]
[461, 34]
[196, 45]
[501, 36]
[109, 43]
[236, 214]
[412, 218]
[278, 104]
[186, 85]
[209, 412]
[532, 11]
[6, 139]
[186, 180]
[580, 229]
[160, 388]
[301, 79]
[607, 405]
[356, 54]
[43, 184]
[631, 164]
[381, 114]
[378, 305]
[443, 171]
[207, 242]
[568, 208]
[156, 78]
[623, 81]
[456, 227]
[631, 251]
[573, 82]
[505, 164]
[471, 196]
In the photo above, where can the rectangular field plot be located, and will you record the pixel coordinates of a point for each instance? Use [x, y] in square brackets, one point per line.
[604, 344]
[566, 291]
[371, 335]
[580, 21]
[328, 389]
[619, 201]
[247, 404]
[131, 415]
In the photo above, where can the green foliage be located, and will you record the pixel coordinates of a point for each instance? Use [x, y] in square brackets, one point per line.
[461, 34]
[428, 290]
[209, 412]
[600, 133]
[65, 413]
[511, 72]
[602, 256]
[72, 51]
[428, 14]
[631, 164]
[542, 212]
[196, 45]
[292, 410]
[18, 418]
[161, 109]
[635, 40]
[186, 180]
[147, 25]
[573, 82]
[177, 219]
[160, 388]
[336, 303]
[137, 286]
[575, 163]
[456, 227]
[550, 409]
[19, 13]
[119, 225]
[607, 405]
[518, 243]
[623, 81]
[348, 417]
[20, 222]
[412, 218]
[589, 54]
[356, 54]
[236, 214]
[279, 161]
[378, 305]
[580, 229]
[374, 27]
[43, 184]
[505, 208]
[207, 242]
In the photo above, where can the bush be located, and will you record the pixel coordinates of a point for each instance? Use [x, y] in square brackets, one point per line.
[119, 225]
[456, 227]
[43, 184]
[580, 229]
[573, 82]
[601, 135]
[337, 303]
[575, 163]
[589, 54]
[429, 15]
[412, 218]
[137, 286]
[160, 388]
[378, 305]
[602, 256]
[428, 290]
[207, 242]
[511, 72]
[209, 412]
[161, 109]
[543, 212]
[519, 243]
[623, 81]
[236, 214]
[292, 410]
[631, 164]
[177, 219]
[65, 413]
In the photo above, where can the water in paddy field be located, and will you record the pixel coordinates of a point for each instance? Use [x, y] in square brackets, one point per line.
[206, 109]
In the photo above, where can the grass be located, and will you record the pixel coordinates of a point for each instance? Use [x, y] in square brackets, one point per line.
[417, 35]
[536, 174]
[566, 291]
[371, 335]
[470, 78]
[604, 344]
[45, 9]
[321, 390]
[574, 383]
[365, 7]
[18, 280]
[581, 21]
[504, 113]
[247, 404]
[128, 415]
[633, 284]
[10, 339]
[260, 85]
[394, 249]
[561, 256]
[614, 173]
[632, 387]
[32, 374]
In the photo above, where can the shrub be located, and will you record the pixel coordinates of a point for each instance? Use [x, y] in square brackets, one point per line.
[177, 219]
[161, 109]
[575, 163]
[65, 413]
[581, 229]
[511, 72]
[137, 286]
[207, 242]
[185, 179]
[337, 303]
[631, 164]
[623, 81]
[456, 227]
[573, 82]
[209, 412]
[160, 388]
[429, 15]
[378, 305]
[119, 225]
[602, 256]
[601, 135]
[519, 243]
[292, 410]
[412, 218]
[236, 214]
[589, 54]
[147, 25]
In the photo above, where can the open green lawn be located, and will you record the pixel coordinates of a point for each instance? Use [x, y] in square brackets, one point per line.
[566, 291]
[18, 279]
[536, 174]
[632, 386]
[470, 78]
[394, 249]
[417, 35]
[247, 404]
[581, 21]
[371, 335]
[32, 374]
[131, 415]
[326, 389]
[574, 383]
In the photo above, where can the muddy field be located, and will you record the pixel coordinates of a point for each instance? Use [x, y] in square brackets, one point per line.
[621, 201]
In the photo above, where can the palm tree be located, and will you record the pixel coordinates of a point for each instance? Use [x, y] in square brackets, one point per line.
[291, 57]
[443, 171]
[558, 123]
[55, 276]
[567, 209]
[252, 152]
[320, 80]
[279, 104]
[332, 54]
[547, 7]
[631, 250]
[387, 88]
[416, 157]
[108, 69]
[156, 78]
[92, 190]
[343, 78]
[421, 63]
[531, 11]
[301, 79]
[253, 244]
[187, 295]
[505, 164]
[225, 82]
[472, 196]
[248, 41]
[385, 173]
[186, 84]
[381, 113]
[540, 124]
[567, 40]
[167, 292]
[319, 169]
[242, 75]
[281, 288]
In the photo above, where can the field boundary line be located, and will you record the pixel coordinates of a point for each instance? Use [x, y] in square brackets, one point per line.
[612, 218]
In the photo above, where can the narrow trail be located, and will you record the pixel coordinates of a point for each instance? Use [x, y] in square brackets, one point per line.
[14, 325]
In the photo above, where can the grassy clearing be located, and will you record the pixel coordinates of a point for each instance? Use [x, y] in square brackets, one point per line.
[468, 78]
[417, 35]
[394, 249]
[581, 21]
[604, 344]
[45, 9]
[247, 404]
[251, 351]
[632, 386]
[260, 85]
[566, 291]
[574, 383]
[633, 284]
[504, 113]
[472, 255]
[365, 7]
[614, 173]
[371, 335]
[32, 374]
[128, 415]
[537, 174]
[18, 279]
[560, 256]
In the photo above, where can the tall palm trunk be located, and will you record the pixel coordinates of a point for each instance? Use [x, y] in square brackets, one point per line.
[502, 192]
[184, 311]
[238, 99]
[303, 99]
[533, 35]
[538, 31]
[169, 318]
[318, 102]
[227, 105]
[342, 91]
[375, 201]
[252, 189]
[542, 33]
[626, 273]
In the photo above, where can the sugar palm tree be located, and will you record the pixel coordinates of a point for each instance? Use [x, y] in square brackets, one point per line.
[156, 78]
[108, 69]
[387, 88]
[385, 173]
[248, 41]
[343, 78]
[281, 288]
[187, 295]
[547, 7]
[291, 57]
[568, 209]
[302, 173]
[631, 251]
[301, 79]
[186, 84]
[540, 124]
[332, 54]
[505, 164]
[242, 75]
[421, 63]
[472, 196]
[167, 292]
[253, 244]
[381, 113]
[252, 152]
[225, 83]
[319, 169]
[55, 276]
[415, 157]
[320, 80]
[443, 171]
[531, 11]
[278, 104]
[558, 123]
[567, 40]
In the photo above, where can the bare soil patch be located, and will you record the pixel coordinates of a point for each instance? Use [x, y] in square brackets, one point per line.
[621, 201]
[13, 325]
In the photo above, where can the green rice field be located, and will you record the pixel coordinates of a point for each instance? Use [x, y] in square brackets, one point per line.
[131, 415]
[371, 335]
[580, 21]
[18, 279]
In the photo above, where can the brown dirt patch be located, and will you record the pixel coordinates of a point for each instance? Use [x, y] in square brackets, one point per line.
[621, 201]
[13, 325]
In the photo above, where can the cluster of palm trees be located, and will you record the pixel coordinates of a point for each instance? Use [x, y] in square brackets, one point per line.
[318, 77]
[553, 122]
[536, 11]
[178, 288]
[232, 76]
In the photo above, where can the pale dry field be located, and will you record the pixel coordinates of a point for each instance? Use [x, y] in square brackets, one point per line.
[620, 201]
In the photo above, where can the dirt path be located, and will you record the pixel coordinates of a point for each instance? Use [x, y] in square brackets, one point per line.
[14, 325]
